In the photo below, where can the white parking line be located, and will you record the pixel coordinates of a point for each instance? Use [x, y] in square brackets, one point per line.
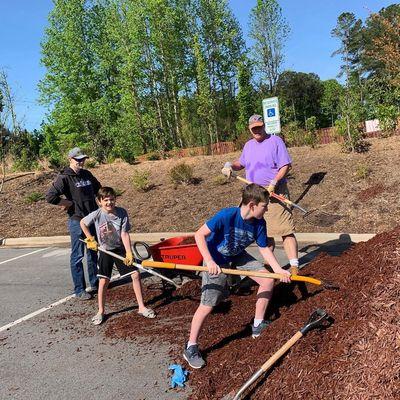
[114, 278]
[31, 315]
[24, 255]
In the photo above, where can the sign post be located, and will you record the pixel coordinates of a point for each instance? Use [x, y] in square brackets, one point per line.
[272, 118]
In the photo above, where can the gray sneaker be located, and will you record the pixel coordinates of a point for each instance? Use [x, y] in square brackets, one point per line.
[193, 356]
[256, 331]
[83, 296]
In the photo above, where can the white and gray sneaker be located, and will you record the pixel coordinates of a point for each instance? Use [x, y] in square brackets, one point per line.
[83, 296]
[256, 330]
[193, 356]
[98, 319]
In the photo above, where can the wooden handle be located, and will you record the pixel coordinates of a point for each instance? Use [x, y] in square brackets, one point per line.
[258, 274]
[277, 196]
[271, 361]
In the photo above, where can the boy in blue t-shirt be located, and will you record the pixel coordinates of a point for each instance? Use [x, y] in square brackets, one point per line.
[222, 242]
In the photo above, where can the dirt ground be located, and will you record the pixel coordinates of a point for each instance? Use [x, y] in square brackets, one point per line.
[360, 191]
[354, 357]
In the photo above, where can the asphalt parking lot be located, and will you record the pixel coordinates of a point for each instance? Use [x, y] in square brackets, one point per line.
[49, 348]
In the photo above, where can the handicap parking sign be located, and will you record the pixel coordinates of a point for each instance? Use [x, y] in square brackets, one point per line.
[271, 115]
[271, 112]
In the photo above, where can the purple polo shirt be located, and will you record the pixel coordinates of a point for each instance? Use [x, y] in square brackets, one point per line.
[263, 160]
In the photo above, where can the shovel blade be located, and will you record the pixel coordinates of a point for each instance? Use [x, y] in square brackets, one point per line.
[321, 218]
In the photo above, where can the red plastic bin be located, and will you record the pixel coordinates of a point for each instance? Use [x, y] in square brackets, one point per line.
[178, 250]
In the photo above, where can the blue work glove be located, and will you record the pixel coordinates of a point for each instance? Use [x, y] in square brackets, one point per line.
[179, 377]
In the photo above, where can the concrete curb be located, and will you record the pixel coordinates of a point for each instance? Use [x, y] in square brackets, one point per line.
[64, 241]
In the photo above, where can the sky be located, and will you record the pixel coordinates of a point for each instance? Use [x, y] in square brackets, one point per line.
[308, 48]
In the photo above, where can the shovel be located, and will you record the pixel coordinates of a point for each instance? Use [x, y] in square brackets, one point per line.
[317, 319]
[258, 274]
[315, 217]
[149, 271]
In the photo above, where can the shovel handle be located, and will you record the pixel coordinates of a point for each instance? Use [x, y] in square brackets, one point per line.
[315, 319]
[276, 196]
[275, 357]
[258, 274]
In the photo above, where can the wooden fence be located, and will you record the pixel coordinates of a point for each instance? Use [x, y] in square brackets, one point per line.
[324, 136]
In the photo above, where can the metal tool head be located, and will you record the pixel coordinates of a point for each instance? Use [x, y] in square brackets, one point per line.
[321, 218]
[330, 285]
[317, 319]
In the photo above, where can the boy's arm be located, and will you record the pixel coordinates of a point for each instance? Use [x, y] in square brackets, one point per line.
[200, 237]
[126, 240]
[270, 259]
[90, 240]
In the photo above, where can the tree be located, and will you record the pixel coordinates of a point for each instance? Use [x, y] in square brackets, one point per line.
[348, 30]
[206, 106]
[330, 101]
[270, 31]
[245, 95]
[71, 85]
[300, 95]
[386, 44]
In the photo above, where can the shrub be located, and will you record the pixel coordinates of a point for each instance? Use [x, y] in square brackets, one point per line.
[90, 163]
[387, 115]
[181, 174]
[241, 140]
[220, 180]
[310, 137]
[141, 181]
[33, 197]
[119, 192]
[293, 134]
[24, 161]
[363, 171]
[154, 156]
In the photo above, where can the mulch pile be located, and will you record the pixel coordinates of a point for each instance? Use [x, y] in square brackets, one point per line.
[357, 357]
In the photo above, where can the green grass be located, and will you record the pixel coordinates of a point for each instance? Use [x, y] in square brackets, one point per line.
[33, 197]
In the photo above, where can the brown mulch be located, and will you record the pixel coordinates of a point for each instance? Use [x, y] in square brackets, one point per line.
[323, 178]
[355, 358]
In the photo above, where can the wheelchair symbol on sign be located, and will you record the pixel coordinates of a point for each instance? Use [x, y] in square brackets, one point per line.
[271, 112]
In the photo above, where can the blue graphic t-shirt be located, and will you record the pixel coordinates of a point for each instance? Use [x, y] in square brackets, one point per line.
[231, 234]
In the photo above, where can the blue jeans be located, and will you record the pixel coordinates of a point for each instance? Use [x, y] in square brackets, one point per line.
[77, 254]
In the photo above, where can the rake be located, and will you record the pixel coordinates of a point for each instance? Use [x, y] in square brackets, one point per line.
[315, 216]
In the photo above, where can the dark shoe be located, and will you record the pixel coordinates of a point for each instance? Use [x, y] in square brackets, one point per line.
[193, 356]
[83, 296]
[91, 289]
[256, 331]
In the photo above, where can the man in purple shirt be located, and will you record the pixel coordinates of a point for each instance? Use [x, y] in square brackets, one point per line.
[267, 163]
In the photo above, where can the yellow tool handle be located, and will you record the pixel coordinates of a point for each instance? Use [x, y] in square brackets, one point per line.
[271, 361]
[258, 274]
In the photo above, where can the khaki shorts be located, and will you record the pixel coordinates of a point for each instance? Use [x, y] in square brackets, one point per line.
[279, 217]
[214, 288]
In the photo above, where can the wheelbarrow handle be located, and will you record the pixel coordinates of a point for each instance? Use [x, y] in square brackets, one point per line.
[276, 196]
[228, 271]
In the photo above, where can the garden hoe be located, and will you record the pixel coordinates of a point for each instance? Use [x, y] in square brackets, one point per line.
[139, 266]
[317, 319]
[315, 217]
[258, 274]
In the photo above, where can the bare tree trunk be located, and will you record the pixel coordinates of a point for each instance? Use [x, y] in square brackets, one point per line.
[9, 105]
